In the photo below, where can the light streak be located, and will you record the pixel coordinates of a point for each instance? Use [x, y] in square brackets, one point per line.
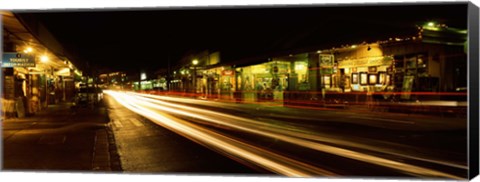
[268, 130]
[249, 123]
[268, 160]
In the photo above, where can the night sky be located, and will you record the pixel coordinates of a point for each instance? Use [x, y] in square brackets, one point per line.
[132, 39]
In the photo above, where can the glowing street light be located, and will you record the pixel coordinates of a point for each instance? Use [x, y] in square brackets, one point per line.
[28, 50]
[431, 24]
[44, 58]
[195, 62]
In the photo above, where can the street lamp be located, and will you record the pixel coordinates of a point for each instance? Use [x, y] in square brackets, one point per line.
[44, 58]
[195, 62]
[28, 50]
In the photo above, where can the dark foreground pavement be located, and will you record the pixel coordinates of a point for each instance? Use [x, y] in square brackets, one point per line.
[57, 139]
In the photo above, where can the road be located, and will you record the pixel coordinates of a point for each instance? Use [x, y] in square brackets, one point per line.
[174, 135]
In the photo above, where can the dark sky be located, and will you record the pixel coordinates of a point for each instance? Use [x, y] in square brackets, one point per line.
[123, 39]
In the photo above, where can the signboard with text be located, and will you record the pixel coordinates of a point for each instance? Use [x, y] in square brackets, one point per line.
[366, 62]
[326, 60]
[13, 59]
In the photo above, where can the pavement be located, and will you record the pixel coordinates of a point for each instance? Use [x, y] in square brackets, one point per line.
[58, 139]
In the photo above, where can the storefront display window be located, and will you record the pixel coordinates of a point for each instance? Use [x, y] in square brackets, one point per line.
[363, 78]
[354, 78]
[381, 78]
[327, 81]
[372, 79]
[301, 68]
[388, 78]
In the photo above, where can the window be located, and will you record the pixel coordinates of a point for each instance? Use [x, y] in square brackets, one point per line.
[372, 79]
[326, 81]
[354, 78]
[363, 78]
[381, 77]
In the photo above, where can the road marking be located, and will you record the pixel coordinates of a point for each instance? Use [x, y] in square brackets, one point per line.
[381, 119]
[136, 122]
[117, 123]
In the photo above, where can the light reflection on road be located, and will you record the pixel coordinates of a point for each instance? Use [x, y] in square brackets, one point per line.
[155, 109]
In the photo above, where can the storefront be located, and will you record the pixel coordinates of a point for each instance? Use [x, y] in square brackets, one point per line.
[210, 82]
[33, 77]
[365, 74]
[268, 81]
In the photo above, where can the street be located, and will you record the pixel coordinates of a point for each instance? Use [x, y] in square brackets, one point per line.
[155, 134]
[290, 91]
[146, 147]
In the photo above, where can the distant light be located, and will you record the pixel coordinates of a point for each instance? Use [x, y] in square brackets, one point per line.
[290, 55]
[28, 50]
[431, 24]
[354, 46]
[44, 58]
[319, 51]
[299, 67]
[195, 62]
[143, 76]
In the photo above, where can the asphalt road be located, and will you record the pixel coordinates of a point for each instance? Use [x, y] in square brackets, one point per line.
[173, 135]
[145, 147]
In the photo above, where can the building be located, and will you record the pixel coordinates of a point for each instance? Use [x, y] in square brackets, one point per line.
[415, 67]
[35, 75]
[113, 80]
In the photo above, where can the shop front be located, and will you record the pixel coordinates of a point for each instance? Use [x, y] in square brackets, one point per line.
[266, 81]
[210, 82]
[371, 74]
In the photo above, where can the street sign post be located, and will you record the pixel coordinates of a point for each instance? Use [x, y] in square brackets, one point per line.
[14, 59]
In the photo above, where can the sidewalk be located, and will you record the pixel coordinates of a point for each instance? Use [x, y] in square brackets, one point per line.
[58, 139]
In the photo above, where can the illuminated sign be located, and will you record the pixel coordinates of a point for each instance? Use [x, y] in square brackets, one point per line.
[365, 62]
[13, 59]
[326, 60]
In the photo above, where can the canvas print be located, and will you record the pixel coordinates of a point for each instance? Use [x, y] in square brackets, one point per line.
[255, 90]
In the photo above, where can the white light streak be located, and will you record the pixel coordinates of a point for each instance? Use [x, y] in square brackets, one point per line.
[142, 105]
